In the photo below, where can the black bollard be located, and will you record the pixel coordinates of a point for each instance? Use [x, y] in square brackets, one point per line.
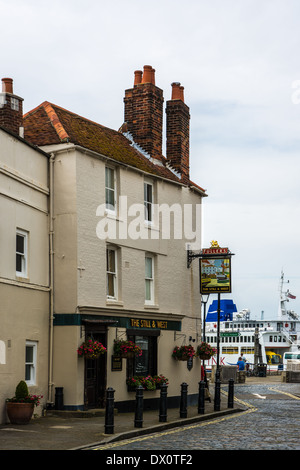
[217, 394]
[183, 400]
[230, 393]
[138, 419]
[109, 411]
[163, 403]
[201, 397]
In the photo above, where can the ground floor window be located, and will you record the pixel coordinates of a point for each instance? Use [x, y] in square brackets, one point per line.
[146, 364]
[30, 362]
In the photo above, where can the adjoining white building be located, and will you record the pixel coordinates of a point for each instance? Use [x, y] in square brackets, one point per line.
[24, 255]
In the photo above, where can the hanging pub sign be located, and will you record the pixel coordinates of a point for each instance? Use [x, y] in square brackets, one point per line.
[215, 270]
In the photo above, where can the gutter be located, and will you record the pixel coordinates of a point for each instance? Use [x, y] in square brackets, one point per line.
[51, 269]
[99, 156]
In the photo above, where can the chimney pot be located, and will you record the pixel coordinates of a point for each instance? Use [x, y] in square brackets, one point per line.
[182, 93]
[153, 76]
[177, 91]
[7, 85]
[138, 77]
[148, 75]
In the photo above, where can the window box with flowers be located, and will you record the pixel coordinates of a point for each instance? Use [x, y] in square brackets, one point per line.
[91, 349]
[205, 351]
[183, 353]
[126, 348]
[160, 380]
[148, 383]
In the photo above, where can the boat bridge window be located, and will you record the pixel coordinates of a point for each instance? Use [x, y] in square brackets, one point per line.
[292, 356]
[247, 350]
[230, 350]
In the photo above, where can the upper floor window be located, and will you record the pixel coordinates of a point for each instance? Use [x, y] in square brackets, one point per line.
[111, 273]
[21, 253]
[14, 102]
[110, 189]
[149, 280]
[148, 201]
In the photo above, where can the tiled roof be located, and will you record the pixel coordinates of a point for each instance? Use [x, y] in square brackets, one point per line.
[50, 124]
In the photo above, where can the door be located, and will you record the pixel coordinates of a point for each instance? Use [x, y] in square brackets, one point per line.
[95, 375]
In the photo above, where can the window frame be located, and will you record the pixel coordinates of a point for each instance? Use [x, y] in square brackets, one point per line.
[24, 255]
[149, 216]
[114, 274]
[152, 356]
[31, 364]
[108, 207]
[150, 281]
[14, 104]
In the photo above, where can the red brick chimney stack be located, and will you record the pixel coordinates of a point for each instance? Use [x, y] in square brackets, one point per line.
[143, 112]
[178, 132]
[11, 108]
[7, 85]
[143, 117]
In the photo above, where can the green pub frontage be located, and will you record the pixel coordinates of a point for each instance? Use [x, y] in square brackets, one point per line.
[137, 350]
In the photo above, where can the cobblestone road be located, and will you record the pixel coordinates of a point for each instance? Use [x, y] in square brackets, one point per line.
[272, 422]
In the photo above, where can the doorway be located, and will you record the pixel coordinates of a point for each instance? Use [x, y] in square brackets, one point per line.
[95, 373]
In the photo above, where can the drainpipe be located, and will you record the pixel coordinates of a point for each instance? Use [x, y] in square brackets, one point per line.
[51, 261]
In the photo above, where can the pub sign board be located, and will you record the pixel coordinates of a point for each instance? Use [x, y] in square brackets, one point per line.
[215, 271]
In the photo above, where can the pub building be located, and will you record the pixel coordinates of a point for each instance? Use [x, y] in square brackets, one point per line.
[105, 283]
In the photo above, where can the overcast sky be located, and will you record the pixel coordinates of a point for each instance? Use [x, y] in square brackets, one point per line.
[238, 61]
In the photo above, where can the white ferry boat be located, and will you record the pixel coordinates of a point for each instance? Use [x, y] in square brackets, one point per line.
[264, 344]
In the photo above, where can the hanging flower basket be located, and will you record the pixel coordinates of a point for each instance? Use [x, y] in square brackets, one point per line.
[205, 351]
[91, 349]
[127, 349]
[183, 353]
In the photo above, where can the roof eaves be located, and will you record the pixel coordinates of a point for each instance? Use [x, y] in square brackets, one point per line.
[21, 139]
[198, 188]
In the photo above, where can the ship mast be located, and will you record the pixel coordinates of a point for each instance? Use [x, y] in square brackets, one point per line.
[282, 299]
[285, 297]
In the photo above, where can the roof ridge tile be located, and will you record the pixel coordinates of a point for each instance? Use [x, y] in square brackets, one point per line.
[59, 128]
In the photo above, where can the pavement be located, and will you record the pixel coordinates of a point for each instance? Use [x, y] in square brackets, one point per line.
[63, 430]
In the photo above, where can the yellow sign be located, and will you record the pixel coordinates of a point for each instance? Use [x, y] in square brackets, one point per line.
[147, 323]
